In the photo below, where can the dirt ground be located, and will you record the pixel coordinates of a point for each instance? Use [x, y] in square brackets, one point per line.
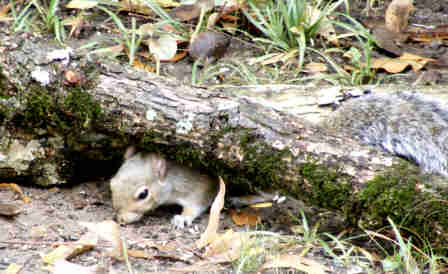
[54, 214]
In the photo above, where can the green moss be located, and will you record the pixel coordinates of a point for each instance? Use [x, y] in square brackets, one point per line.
[388, 195]
[74, 113]
[328, 188]
[82, 108]
[398, 194]
[41, 110]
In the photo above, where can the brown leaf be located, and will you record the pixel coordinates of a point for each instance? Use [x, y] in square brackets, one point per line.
[110, 232]
[8, 209]
[65, 251]
[135, 6]
[73, 77]
[185, 12]
[389, 64]
[297, 262]
[139, 254]
[245, 218]
[396, 65]
[213, 222]
[227, 247]
[16, 188]
[143, 66]
[315, 67]
[199, 267]
[397, 15]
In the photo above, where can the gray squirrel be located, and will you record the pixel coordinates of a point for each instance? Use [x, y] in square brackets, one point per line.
[405, 124]
[147, 180]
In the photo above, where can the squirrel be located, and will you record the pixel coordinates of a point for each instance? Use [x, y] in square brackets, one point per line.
[405, 124]
[147, 180]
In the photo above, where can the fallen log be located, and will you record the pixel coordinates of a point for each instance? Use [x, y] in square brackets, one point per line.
[272, 136]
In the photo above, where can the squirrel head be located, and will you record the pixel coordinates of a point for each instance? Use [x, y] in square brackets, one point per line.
[138, 185]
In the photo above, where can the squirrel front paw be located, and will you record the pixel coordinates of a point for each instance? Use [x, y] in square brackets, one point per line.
[181, 221]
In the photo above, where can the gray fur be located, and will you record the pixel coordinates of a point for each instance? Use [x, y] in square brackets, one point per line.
[406, 124]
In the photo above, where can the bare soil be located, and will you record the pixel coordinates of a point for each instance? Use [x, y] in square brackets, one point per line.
[54, 215]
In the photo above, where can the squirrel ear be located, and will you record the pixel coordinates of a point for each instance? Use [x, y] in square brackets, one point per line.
[159, 167]
[129, 152]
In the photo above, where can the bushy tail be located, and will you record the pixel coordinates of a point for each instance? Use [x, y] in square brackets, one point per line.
[404, 124]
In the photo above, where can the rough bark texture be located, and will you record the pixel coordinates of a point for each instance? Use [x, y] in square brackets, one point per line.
[271, 135]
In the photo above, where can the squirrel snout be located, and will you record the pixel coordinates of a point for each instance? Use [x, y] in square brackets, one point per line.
[127, 217]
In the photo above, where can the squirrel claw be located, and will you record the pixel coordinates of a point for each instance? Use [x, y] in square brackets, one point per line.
[181, 221]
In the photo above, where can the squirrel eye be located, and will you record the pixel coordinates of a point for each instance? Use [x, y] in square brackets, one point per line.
[143, 194]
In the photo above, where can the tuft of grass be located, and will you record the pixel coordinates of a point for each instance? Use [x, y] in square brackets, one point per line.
[51, 20]
[408, 258]
[181, 33]
[290, 26]
[363, 73]
[253, 254]
[128, 38]
[21, 18]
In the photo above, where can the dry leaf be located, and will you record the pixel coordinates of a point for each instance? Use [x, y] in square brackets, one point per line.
[212, 20]
[297, 262]
[140, 65]
[245, 218]
[198, 267]
[163, 47]
[178, 56]
[146, 29]
[73, 77]
[8, 209]
[140, 254]
[69, 250]
[210, 233]
[110, 232]
[136, 6]
[315, 67]
[82, 4]
[227, 247]
[397, 15]
[396, 65]
[13, 268]
[389, 64]
[16, 188]
[64, 267]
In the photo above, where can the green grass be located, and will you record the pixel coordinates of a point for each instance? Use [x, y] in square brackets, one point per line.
[51, 20]
[289, 26]
[130, 40]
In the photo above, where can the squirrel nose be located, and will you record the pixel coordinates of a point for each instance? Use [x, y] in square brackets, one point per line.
[119, 219]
